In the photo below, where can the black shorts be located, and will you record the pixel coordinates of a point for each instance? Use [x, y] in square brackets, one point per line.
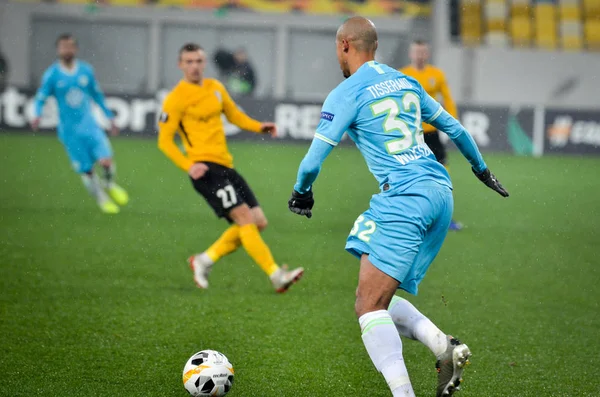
[224, 189]
[432, 139]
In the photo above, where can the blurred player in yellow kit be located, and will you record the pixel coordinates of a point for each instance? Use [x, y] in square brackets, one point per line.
[193, 109]
[434, 82]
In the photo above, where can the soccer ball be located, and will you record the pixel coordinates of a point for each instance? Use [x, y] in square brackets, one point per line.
[208, 373]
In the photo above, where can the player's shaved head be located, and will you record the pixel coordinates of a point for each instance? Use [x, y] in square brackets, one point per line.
[360, 32]
[356, 43]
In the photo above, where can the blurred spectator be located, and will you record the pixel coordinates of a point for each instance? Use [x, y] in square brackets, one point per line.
[236, 71]
[3, 72]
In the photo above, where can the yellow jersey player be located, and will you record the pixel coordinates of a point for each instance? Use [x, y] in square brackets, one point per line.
[434, 82]
[193, 109]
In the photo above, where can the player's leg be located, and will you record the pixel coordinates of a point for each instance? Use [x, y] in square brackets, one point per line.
[231, 198]
[83, 164]
[259, 218]
[432, 139]
[230, 239]
[451, 355]
[209, 187]
[281, 278]
[102, 152]
[379, 335]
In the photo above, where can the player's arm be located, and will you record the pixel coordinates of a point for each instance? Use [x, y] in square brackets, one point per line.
[448, 102]
[433, 113]
[168, 125]
[45, 90]
[98, 97]
[336, 116]
[239, 118]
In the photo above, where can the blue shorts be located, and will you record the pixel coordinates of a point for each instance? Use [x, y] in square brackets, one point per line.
[403, 232]
[85, 149]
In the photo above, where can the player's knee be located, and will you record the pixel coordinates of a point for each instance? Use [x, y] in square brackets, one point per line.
[361, 307]
[106, 162]
[242, 215]
[369, 303]
[262, 223]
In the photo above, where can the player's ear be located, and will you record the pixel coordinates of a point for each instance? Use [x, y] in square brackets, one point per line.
[345, 45]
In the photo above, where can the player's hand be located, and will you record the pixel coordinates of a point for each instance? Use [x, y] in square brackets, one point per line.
[491, 181]
[269, 128]
[114, 130]
[301, 203]
[35, 123]
[198, 170]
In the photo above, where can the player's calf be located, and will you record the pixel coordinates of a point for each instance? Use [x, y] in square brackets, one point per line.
[375, 288]
[92, 184]
[116, 192]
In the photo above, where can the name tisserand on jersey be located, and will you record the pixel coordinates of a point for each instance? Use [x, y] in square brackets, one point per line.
[389, 86]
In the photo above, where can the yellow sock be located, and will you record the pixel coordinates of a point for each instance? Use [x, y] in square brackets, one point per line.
[226, 244]
[257, 249]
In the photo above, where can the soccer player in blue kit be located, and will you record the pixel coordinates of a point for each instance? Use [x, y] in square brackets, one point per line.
[398, 237]
[73, 84]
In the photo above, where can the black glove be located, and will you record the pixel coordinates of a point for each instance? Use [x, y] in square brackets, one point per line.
[491, 181]
[301, 203]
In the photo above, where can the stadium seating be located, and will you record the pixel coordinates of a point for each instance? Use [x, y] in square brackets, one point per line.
[569, 25]
[381, 8]
[470, 21]
[571, 30]
[495, 19]
[545, 29]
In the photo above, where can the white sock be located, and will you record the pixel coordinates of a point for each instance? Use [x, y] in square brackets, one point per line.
[108, 174]
[205, 259]
[385, 349]
[412, 324]
[92, 184]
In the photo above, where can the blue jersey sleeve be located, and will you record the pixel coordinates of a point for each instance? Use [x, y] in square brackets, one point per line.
[336, 116]
[98, 95]
[433, 113]
[311, 165]
[46, 89]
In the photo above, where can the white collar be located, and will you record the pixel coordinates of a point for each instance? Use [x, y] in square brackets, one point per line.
[70, 72]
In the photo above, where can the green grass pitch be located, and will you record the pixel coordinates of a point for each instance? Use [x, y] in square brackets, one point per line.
[97, 305]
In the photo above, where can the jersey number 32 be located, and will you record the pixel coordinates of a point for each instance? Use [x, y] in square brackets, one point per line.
[411, 134]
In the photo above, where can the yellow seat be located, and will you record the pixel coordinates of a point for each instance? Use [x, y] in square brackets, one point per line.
[470, 22]
[495, 16]
[266, 5]
[520, 8]
[571, 43]
[591, 9]
[569, 12]
[127, 3]
[592, 34]
[521, 31]
[545, 26]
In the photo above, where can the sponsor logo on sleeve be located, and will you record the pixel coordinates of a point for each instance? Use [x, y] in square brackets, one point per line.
[327, 116]
[163, 117]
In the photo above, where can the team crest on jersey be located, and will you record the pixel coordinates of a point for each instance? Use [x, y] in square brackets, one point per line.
[83, 81]
[163, 117]
[74, 97]
[61, 84]
[432, 80]
[218, 95]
